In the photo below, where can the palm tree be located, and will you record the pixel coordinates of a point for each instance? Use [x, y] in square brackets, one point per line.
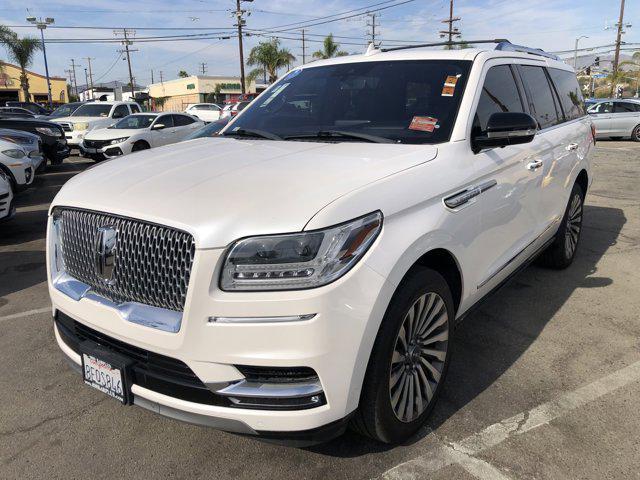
[268, 57]
[21, 50]
[330, 49]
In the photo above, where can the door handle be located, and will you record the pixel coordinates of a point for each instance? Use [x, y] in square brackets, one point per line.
[572, 146]
[534, 164]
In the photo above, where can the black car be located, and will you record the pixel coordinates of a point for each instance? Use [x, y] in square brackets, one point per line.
[15, 112]
[34, 108]
[54, 144]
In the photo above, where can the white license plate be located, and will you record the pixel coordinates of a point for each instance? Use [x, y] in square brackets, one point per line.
[103, 376]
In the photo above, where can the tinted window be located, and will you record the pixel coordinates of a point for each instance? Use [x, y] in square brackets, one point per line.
[210, 130]
[499, 94]
[625, 107]
[402, 100]
[543, 105]
[182, 120]
[120, 111]
[569, 91]
[135, 122]
[134, 108]
[604, 107]
[92, 110]
[166, 120]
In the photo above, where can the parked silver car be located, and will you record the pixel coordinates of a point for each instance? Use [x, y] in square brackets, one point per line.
[617, 119]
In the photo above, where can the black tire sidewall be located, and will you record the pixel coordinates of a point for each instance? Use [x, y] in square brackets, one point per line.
[418, 282]
[561, 235]
[635, 134]
[139, 146]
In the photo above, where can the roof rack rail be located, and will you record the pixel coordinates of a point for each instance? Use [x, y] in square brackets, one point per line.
[510, 47]
[442, 44]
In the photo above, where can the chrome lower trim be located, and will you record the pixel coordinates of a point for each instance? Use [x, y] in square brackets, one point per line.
[458, 199]
[244, 388]
[284, 319]
[138, 313]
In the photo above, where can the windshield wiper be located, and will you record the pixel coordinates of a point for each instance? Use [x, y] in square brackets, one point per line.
[249, 132]
[341, 133]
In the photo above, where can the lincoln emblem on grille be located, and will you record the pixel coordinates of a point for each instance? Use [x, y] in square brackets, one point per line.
[105, 253]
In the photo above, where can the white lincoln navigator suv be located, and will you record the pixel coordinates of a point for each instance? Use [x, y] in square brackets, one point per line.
[305, 270]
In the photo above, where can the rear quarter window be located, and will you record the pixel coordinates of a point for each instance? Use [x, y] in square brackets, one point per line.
[543, 104]
[569, 91]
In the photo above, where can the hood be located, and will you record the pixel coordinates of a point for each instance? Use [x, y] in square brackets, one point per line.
[111, 133]
[81, 119]
[222, 189]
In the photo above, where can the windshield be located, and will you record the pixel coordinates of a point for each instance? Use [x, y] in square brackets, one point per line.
[135, 122]
[92, 110]
[209, 130]
[403, 101]
[64, 110]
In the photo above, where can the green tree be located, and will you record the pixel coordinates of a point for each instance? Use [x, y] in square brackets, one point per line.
[20, 50]
[268, 58]
[330, 49]
[183, 74]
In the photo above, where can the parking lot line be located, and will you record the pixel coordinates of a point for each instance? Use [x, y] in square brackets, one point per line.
[443, 456]
[25, 314]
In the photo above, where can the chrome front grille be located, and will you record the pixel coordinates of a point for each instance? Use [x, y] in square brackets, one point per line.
[152, 263]
[66, 127]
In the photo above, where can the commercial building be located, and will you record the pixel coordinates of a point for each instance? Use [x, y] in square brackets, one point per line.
[176, 94]
[10, 86]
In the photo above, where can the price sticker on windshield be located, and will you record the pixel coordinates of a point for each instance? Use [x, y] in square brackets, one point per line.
[424, 124]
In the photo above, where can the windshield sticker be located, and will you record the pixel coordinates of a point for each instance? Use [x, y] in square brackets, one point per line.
[424, 124]
[449, 86]
[274, 94]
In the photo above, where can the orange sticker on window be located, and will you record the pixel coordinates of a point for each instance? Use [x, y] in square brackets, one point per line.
[424, 124]
[449, 87]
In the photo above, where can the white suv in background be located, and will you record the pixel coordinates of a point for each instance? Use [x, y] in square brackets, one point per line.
[94, 115]
[138, 132]
[305, 269]
[7, 209]
[207, 112]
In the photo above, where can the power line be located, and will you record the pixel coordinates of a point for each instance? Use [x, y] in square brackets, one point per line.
[126, 42]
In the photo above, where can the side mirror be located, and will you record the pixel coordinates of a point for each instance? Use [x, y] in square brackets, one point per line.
[158, 126]
[506, 128]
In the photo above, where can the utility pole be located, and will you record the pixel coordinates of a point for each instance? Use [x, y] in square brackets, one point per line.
[240, 23]
[75, 80]
[373, 26]
[160, 76]
[152, 75]
[203, 67]
[304, 49]
[452, 31]
[126, 42]
[575, 52]
[91, 76]
[42, 25]
[86, 80]
[616, 58]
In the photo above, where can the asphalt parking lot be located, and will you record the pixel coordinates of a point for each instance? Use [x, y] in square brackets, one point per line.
[544, 383]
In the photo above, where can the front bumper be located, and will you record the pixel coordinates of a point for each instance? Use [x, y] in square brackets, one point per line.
[56, 149]
[335, 343]
[75, 137]
[106, 152]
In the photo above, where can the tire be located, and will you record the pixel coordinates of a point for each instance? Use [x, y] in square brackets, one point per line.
[140, 146]
[562, 251]
[635, 135]
[388, 412]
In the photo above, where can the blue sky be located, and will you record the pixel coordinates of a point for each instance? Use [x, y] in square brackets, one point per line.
[549, 24]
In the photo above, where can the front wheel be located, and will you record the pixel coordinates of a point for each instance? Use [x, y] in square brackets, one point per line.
[409, 360]
[635, 135]
[138, 146]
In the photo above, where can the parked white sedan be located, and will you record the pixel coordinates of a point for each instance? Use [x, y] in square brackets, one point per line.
[138, 132]
[617, 118]
[207, 112]
[7, 208]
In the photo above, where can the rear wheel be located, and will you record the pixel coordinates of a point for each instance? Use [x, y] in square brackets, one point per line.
[635, 135]
[561, 252]
[409, 360]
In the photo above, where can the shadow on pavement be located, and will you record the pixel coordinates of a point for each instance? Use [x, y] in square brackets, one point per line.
[492, 339]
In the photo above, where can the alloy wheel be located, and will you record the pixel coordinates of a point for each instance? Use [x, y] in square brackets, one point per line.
[574, 224]
[419, 357]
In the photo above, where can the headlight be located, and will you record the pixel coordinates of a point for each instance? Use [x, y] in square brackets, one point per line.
[14, 153]
[299, 260]
[80, 126]
[4, 176]
[118, 140]
[57, 260]
[48, 131]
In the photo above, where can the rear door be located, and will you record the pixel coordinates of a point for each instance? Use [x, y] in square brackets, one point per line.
[184, 125]
[507, 209]
[601, 114]
[625, 117]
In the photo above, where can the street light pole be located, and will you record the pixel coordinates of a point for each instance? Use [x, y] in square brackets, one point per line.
[575, 52]
[41, 25]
